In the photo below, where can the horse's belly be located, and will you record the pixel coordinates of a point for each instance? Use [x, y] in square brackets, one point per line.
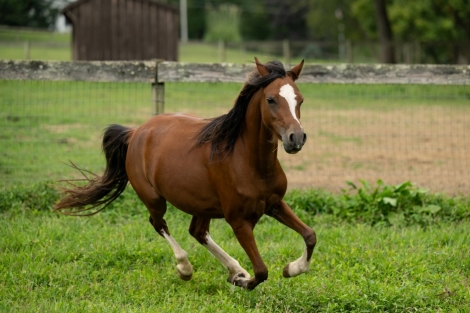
[184, 181]
[192, 195]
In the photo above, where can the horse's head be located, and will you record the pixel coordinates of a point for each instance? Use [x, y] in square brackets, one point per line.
[281, 107]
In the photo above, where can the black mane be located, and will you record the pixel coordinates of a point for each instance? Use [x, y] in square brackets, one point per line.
[224, 130]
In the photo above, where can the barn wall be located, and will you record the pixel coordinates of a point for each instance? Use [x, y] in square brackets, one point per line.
[124, 30]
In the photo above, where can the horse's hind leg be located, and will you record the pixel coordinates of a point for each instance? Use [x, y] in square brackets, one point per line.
[157, 209]
[199, 229]
[284, 214]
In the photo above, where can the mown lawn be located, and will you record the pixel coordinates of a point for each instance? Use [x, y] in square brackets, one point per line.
[115, 262]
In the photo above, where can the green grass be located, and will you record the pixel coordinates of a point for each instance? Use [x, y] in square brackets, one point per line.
[43, 45]
[57, 47]
[115, 262]
[14, 35]
[45, 124]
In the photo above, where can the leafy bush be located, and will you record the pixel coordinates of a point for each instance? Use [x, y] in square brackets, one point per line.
[402, 204]
[223, 23]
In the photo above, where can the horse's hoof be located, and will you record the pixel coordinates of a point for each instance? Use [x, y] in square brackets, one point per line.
[239, 279]
[285, 272]
[185, 277]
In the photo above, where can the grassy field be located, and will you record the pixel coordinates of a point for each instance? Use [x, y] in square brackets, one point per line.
[56, 47]
[43, 45]
[380, 248]
[394, 133]
[115, 262]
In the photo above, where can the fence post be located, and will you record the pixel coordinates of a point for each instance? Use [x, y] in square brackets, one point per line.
[286, 52]
[222, 54]
[26, 50]
[349, 51]
[417, 49]
[158, 93]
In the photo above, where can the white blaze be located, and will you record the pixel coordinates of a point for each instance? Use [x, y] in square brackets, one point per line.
[288, 93]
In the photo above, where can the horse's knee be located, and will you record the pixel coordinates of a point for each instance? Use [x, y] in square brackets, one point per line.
[310, 239]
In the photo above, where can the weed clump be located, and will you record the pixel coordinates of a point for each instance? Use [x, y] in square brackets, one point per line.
[402, 204]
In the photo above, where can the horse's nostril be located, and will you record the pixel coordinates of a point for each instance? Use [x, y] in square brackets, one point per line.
[291, 137]
[305, 137]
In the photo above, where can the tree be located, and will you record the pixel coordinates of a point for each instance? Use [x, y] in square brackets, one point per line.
[28, 13]
[385, 32]
[288, 18]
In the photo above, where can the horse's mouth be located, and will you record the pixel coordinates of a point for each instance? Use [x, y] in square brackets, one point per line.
[292, 149]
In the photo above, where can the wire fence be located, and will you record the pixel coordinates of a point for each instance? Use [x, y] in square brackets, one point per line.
[346, 51]
[392, 132]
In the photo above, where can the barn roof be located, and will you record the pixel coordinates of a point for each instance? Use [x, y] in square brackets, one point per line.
[70, 7]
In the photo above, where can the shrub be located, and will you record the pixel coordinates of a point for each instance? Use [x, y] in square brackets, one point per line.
[402, 204]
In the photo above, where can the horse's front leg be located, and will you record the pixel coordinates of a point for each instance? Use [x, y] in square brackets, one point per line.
[244, 232]
[284, 214]
[199, 229]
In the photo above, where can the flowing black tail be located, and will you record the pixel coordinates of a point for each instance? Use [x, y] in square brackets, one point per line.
[100, 190]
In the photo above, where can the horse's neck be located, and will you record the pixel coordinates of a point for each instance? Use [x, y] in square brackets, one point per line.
[258, 140]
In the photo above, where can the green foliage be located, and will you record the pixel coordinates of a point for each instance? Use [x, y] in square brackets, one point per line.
[381, 205]
[223, 23]
[28, 13]
[402, 204]
[254, 21]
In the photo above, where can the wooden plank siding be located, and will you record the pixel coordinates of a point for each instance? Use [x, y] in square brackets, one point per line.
[162, 36]
[153, 36]
[123, 30]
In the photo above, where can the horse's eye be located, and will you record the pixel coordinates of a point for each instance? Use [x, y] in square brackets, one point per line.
[271, 101]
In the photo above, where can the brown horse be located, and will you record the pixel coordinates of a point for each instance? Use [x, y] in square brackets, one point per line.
[226, 167]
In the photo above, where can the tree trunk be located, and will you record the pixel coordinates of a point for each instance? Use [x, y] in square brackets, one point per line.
[385, 32]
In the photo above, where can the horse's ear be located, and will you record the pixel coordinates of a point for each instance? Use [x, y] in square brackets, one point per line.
[296, 70]
[263, 71]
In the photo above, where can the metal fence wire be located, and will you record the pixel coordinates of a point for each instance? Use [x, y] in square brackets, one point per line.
[396, 133]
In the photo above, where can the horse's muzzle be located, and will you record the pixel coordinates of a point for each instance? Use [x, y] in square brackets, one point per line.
[294, 142]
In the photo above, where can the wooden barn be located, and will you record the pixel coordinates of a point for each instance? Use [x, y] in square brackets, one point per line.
[123, 30]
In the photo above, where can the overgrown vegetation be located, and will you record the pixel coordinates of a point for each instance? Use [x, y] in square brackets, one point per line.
[403, 204]
[378, 205]
[223, 23]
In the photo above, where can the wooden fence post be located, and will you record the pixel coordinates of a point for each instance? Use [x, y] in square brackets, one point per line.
[349, 51]
[286, 52]
[417, 54]
[27, 49]
[158, 93]
[222, 53]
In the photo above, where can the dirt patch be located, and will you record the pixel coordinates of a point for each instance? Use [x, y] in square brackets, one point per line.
[428, 145]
